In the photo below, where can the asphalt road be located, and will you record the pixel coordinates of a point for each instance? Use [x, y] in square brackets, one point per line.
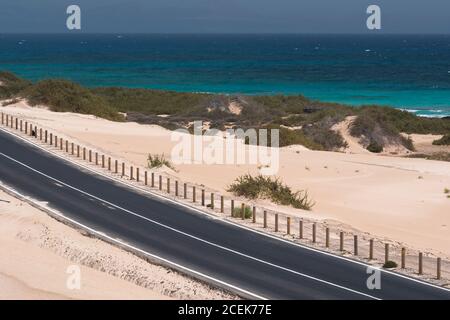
[260, 265]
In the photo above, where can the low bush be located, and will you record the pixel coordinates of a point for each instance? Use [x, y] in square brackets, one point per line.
[273, 189]
[390, 264]
[157, 161]
[439, 156]
[66, 96]
[375, 147]
[12, 85]
[374, 126]
[237, 212]
[444, 141]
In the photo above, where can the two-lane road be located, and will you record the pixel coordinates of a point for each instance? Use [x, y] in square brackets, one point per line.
[250, 262]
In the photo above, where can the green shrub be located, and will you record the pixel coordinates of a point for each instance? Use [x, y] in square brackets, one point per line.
[66, 96]
[446, 190]
[439, 156]
[390, 264]
[375, 147]
[12, 85]
[273, 189]
[444, 141]
[237, 212]
[290, 137]
[157, 161]
[375, 126]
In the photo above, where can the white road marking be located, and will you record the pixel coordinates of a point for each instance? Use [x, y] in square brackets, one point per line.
[102, 234]
[189, 235]
[238, 225]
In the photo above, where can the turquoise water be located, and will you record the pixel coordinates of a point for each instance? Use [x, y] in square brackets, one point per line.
[407, 72]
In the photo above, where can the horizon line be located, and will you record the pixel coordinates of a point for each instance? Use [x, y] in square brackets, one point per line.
[224, 33]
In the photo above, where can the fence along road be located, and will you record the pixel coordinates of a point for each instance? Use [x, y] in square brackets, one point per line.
[255, 265]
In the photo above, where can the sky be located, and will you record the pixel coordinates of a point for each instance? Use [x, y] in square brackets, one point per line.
[225, 16]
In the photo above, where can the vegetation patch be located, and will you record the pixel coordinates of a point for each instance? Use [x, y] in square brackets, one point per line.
[390, 264]
[157, 161]
[444, 141]
[376, 131]
[439, 156]
[268, 188]
[309, 121]
[66, 96]
[237, 212]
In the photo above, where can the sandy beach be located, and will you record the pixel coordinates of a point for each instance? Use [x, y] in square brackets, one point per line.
[38, 252]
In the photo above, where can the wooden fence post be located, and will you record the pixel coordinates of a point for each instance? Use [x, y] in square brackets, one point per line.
[123, 169]
[212, 200]
[138, 178]
[243, 211]
[221, 204]
[386, 252]
[103, 161]
[176, 188]
[265, 218]
[168, 185]
[355, 245]
[300, 229]
[131, 173]
[371, 249]
[314, 232]
[288, 225]
[116, 166]
[438, 269]
[109, 163]
[193, 194]
[90, 155]
[185, 190]
[254, 214]
[403, 263]
[153, 179]
[232, 207]
[203, 197]
[420, 263]
[160, 182]
[276, 222]
[341, 241]
[327, 237]
[146, 177]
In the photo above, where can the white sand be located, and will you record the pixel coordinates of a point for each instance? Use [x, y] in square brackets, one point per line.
[36, 251]
[398, 198]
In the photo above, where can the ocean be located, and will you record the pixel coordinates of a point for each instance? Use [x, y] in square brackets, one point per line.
[410, 72]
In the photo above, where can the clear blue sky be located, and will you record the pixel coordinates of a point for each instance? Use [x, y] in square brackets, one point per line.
[225, 16]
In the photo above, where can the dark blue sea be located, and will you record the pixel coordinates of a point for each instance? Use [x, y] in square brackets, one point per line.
[404, 71]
